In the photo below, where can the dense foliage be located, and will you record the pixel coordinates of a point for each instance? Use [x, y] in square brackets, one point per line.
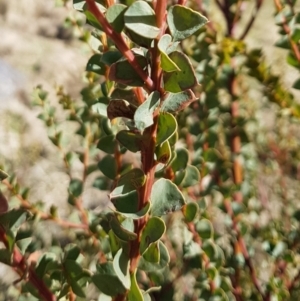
[169, 129]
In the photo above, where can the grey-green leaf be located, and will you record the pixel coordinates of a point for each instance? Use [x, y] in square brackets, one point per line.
[115, 16]
[107, 281]
[167, 126]
[121, 266]
[165, 197]
[143, 116]
[152, 232]
[175, 102]
[140, 18]
[184, 79]
[183, 21]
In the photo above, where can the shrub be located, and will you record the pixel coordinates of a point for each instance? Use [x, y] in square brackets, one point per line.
[168, 128]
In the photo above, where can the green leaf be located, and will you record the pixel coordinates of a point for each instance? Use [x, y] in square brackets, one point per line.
[190, 211]
[75, 187]
[175, 102]
[138, 39]
[45, 260]
[108, 144]
[132, 180]
[205, 229]
[101, 183]
[79, 4]
[110, 57]
[121, 267]
[105, 124]
[163, 152]
[107, 281]
[152, 232]
[108, 166]
[100, 108]
[296, 215]
[122, 72]
[295, 34]
[120, 108]
[210, 249]
[13, 219]
[131, 140]
[154, 267]
[138, 214]
[134, 293]
[23, 244]
[92, 20]
[77, 289]
[192, 177]
[183, 21]
[165, 197]
[147, 296]
[128, 95]
[140, 18]
[115, 16]
[3, 175]
[127, 203]
[178, 81]
[72, 268]
[119, 231]
[292, 60]
[143, 116]
[72, 252]
[10, 238]
[95, 65]
[167, 126]
[3, 203]
[114, 243]
[164, 44]
[5, 256]
[181, 160]
[283, 42]
[219, 258]
[296, 84]
[152, 253]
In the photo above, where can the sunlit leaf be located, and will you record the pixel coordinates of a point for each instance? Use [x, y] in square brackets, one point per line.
[134, 293]
[152, 232]
[183, 21]
[165, 197]
[121, 267]
[115, 16]
[167, 126]
[178, 81]
[140, 18]
[107, 281]
[175, 102]
[143, 116]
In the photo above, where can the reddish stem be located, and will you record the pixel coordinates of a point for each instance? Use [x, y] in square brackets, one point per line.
[287, 30]
[242, 247]
[20, 265]
[120, 43]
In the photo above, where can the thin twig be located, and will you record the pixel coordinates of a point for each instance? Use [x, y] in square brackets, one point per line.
[43, 215]
[287, 30]
[22, 267]
[120, 43]
[251, 21]
[244, 251]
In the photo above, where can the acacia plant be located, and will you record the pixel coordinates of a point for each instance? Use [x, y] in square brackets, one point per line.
[167, 128]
